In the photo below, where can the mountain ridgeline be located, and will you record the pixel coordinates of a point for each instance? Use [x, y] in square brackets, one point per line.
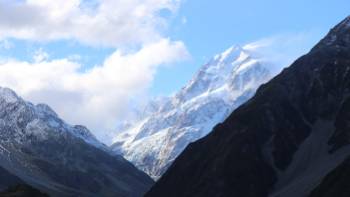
[169, 124]
[39, 149]
[291, 139]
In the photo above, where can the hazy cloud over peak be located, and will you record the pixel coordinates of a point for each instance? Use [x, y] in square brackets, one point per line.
[98, 97]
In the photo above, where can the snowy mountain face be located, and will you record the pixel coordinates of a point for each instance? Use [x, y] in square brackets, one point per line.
[170, 124]
[62, 160]
[43, 117]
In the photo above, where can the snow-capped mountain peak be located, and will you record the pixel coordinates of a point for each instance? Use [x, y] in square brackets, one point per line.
[228, 55]
[221, 85]
[8, 96]
[218, 73]
[41, 116]
[45, 110]
[61, 159]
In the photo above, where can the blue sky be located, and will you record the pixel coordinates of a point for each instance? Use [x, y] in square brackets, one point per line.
[91, 60]
[207, 28]
[213, 26]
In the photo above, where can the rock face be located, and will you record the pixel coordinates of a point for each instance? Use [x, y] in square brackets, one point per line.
[170, 124]
[284, 141]
[59, 159]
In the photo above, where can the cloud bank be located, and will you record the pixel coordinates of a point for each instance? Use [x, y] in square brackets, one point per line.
[94, 22]
[282, 49]
[100, 96]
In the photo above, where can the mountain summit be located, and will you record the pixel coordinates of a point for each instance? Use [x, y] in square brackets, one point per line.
[171, 123]
[291, 139]
[41, 150]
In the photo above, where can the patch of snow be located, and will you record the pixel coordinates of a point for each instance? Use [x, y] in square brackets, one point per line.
[230, 54]
[244, 66]
[45, 110]
[83, 133]
[53, 123]
[38, 129]
[8, 95]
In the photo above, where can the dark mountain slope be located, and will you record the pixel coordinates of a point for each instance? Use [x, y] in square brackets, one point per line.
[7, 179]
[283, 141]
[11, 185]
[336, 183]
[22, 190]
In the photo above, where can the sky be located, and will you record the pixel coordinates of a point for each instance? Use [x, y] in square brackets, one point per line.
[92, 60]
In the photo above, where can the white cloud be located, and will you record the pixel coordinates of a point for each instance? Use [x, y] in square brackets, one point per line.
[98, 97]
[111, 23]
[40, 55]
[282, 49]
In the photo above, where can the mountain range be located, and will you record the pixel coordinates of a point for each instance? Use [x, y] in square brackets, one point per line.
[167, 125]
[290, 139]
[236, 129]
[39, 149]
